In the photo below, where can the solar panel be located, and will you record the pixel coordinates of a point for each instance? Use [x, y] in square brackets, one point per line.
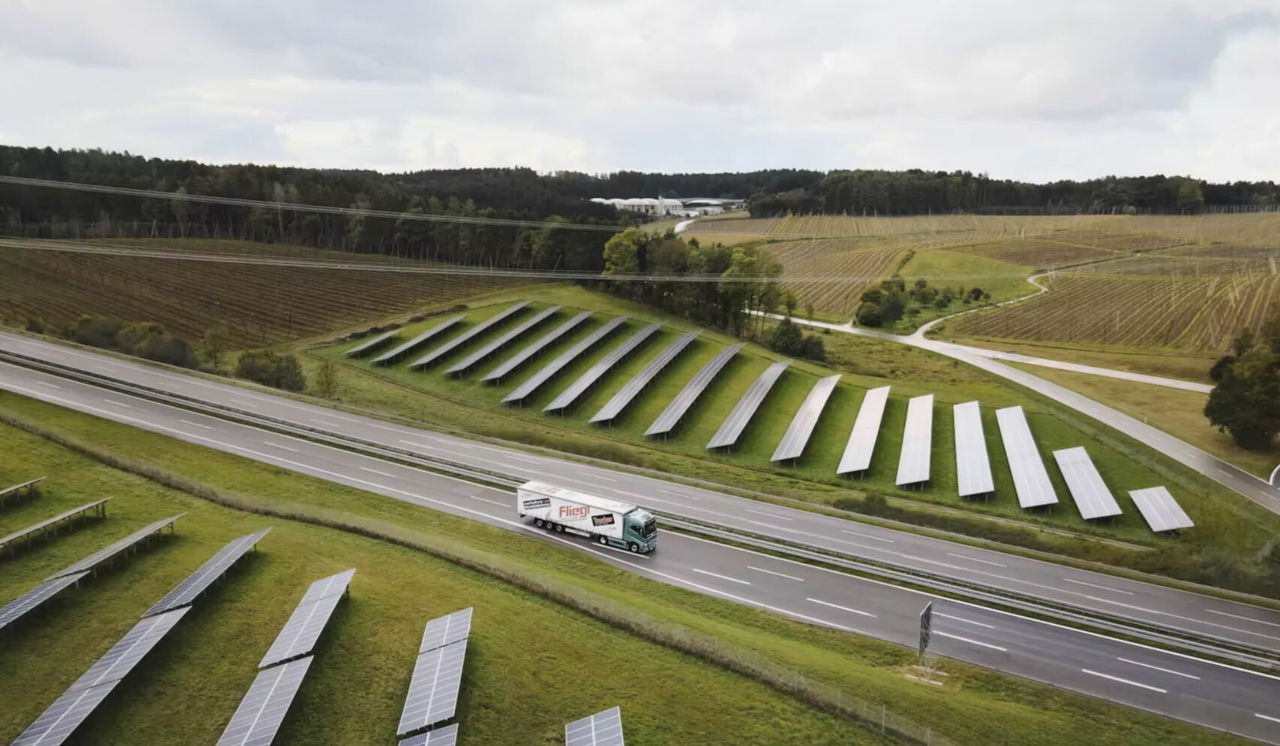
[7, 491]
[197, 582]
[599, 368]
[679, 405]
[601, 729]
[106, 553]
[468, 335]
[484, 352]
[797, 435]
[535, 382]
[400, 350]
[372, 343]
[446, 630]
[37, 527]
[20, 606]
[446, 736]
[117, 662]
[620, 400]
[917, 442]
[298, 636]
[973, 468]
[263, 708]
[1092, 497]
[1157, 506]
[733, 425]
[866, 428]
[433, 691]
[534, 347]
[56, 724]
[1030, 479]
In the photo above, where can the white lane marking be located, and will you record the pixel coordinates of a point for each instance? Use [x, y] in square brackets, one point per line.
[290, 449]
[962, 619]
[1266, 717]
[1125, 681]
[867, 536]
[771, 572]
[118, 403]
[975, 559]
[722, 577]
[1099, 587]
[1179, 616]
[518, 457]
[382, 427]
[970, 641]
[771, 515]
[49, 385]
[837, 606]
[491, 501]
[379, 473]
[1158, 668]
[1245, 618]
[594, 475]
[195, 424]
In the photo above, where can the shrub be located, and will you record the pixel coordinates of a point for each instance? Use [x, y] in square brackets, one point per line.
[270, 368]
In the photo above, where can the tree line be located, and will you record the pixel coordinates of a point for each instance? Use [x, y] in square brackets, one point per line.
[1245, 400]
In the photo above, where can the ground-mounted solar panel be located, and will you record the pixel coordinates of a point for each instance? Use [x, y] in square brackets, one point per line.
[372, 343]
[917, 442]
[490, 349]
[263, 708]
[77, 703]
[866, 430]
[632, 388]
[446, 630]
[794, 440]
[1092, 497]
[1030, 479]
[468, 335]
[27, 602]
[433, 691]
[601, 729]
[197, 582]
[107, 552]
[18, 489]
[680, 404]
[733, 425]
[300, 633]
[1158, 509]
[400, 350]
[533, 348]
[16, 537]
[584, 382]
[973, 467]
[446, 736]
[548, 371]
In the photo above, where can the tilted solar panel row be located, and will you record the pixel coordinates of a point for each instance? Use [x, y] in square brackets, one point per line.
[548, 371]
[468, 335]
[197, 582]
[65, 515]
[733, 425]
[866, 430]
[917, 442]
[401, 350]
[110, 551]
[534, 347]
[973, 467]
[300, 633]
[488, 350]
[29, 601]
[1090, 493]
[806, 417]
[597, 370]
[1030, 479]
[679, 405]
[600, 729]
[369, 345]
[639, 381]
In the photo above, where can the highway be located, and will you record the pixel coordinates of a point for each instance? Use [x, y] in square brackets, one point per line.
[1209, 694]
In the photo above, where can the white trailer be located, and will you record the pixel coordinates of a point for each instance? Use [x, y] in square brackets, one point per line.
[608, 522]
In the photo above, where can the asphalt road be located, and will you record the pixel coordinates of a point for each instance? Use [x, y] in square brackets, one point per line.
[1208, 694]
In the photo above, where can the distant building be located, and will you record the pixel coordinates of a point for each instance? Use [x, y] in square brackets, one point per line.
[662, 206]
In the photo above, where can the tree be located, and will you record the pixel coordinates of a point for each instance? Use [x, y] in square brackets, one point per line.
[215, 344]
[271, 369]
[326, 382]
[868, 314]
[1246, 400]
[35, 325]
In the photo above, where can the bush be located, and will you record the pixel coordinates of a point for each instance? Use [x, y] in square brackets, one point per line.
[96, 331]
[868, 314]
[35, 325]
[271, 369]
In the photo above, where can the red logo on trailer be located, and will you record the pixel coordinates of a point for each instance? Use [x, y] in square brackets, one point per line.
[574, 511]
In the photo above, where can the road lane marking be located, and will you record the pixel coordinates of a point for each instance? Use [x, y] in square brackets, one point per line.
[722, 577]
[1125, 681]
[1179, 616]
[1245, 618]
[771, 572]
[1158, 668]
[118, 403]
[379, 473]
[195, 424]
[771, 515]
[970, 641]
[867, 536]
[1099, 587]
[594, 475]
[837, 606]
[975, 559]
[962, 619]
[281, 447]
[1266, 717]
[49, 385]
[491, 501]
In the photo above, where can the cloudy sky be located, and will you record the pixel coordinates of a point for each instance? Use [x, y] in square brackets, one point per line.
[1033, 90]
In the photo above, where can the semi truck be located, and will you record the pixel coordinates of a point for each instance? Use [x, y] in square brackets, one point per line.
[607, 522]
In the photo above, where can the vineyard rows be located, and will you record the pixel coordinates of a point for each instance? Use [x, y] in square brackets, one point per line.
[1038, 254]
[823, 261]
[1113, 241]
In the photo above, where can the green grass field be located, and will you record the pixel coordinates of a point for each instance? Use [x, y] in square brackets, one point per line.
[1004, 281]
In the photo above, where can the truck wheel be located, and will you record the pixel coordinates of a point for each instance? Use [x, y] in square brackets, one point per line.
[634, 547]
[559, 528]
[539, 522]
[604, 540]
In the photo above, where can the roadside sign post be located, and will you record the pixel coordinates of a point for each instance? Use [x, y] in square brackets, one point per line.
[926, 627]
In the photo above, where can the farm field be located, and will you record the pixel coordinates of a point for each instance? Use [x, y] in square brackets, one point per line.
[836, 271]
[1169, 363]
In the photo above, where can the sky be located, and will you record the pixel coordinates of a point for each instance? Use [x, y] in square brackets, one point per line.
[1043, 90]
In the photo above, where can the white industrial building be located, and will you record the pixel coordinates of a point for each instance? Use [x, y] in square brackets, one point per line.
[689, 208]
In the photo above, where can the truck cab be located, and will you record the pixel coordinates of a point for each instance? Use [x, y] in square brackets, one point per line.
[639, 527]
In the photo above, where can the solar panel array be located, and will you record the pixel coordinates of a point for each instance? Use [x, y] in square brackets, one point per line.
[433, 691]
[405, 348]
[371, 343]
[973, 467]
[484, 352]
[588, 379]
[446, 630]
[68, 711]
[35, 528]
[197, 582]
[106, 553]
[601, 729]
[536, 381]
[468, 335]
[917, 442]
[733, 425]
[866, 428]
[1158, 509]
[7, 491]
[446, 736]
[797, 435]
[263, 708]
[20, 606]
[679, 405]
[299, 635]
[620, 400]
[1030, 479]
[534, 347]
[1092, 497]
